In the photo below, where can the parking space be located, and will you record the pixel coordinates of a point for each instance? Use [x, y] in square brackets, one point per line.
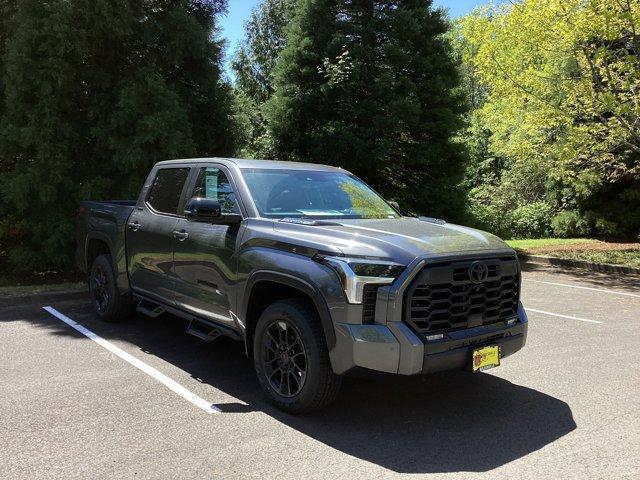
[564, 407]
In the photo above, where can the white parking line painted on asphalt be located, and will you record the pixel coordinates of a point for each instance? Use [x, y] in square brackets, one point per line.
[527, 309]
[603, 290]
[148, 369]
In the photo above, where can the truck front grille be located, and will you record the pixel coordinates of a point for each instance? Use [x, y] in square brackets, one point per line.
[444, 298]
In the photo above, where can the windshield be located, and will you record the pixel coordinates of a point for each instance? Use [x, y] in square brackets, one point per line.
[303, 193]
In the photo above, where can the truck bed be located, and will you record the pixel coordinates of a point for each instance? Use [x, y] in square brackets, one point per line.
[102, 221]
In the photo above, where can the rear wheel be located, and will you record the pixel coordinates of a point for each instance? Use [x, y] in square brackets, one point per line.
[291, 357]
[109, 304]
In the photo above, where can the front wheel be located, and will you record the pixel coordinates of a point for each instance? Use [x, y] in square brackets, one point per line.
[291, 358]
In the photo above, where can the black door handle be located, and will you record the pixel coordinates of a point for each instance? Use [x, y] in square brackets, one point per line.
[181, 235]
[134, 226]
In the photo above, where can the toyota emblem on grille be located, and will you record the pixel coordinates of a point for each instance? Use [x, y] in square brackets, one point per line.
[478, 272]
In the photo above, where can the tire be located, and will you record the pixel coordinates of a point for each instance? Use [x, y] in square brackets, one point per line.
[108, 303]
[311, 380]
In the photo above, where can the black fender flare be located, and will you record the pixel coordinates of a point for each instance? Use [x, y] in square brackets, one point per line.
[103, 237]
[299, 284]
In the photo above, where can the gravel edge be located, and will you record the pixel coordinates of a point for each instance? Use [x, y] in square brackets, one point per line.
[570, 263]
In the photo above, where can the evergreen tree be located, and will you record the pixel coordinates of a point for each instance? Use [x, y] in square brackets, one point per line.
[265, 38]
[370, 85]
[94, 93]
[253, 66]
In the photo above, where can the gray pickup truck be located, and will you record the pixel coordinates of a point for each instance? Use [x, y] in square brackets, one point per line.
[309, 267]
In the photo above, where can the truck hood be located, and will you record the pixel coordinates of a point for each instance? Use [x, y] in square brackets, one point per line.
[401, 239]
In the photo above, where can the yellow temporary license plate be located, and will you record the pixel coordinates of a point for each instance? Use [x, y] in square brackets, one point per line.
[485, 358]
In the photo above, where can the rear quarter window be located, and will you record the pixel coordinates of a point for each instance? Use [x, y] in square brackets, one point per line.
[164, 194]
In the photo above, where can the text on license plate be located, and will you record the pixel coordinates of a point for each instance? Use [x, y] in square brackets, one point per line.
[485, 358]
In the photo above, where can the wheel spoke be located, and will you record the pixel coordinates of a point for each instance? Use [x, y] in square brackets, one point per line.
[281, 384]
[292, 346]
[302, 370]
[274, 372]
[270, 348]
[276, 342]
[292, 339]
[297, 380]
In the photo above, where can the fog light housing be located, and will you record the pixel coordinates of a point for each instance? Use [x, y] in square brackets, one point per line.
[511, 321]
[433, 338]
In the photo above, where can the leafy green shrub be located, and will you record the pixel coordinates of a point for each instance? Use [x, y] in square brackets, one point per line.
[508, 220]
[531, 221]
[606, 228]
[484, 217]
[570, 223]
[482, 213]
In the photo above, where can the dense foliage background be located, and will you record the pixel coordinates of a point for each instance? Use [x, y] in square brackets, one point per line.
[554, 135]
[94, 93]
[522, 119]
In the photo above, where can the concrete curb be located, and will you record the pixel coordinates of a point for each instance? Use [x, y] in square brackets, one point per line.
[42, 297]
[570, 263]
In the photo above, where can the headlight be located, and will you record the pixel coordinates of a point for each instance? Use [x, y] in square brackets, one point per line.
[355, 273]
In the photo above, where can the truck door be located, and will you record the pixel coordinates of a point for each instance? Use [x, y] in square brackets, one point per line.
[150, 234]
[204, 261]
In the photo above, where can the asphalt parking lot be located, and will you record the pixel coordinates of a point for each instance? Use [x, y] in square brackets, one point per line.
[566, 406]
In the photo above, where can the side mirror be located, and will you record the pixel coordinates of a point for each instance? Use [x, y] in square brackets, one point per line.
[202, 210]
[208, 210]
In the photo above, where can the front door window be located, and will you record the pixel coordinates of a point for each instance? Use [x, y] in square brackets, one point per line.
[213, 183]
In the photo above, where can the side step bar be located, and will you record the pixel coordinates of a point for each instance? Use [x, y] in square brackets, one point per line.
[203, 331]
[198, 327]
[150, 309]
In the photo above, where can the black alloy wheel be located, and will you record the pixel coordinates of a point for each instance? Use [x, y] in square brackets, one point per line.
[284, 358]
[100, 289]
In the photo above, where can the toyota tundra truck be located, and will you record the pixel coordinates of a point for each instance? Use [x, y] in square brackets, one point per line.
[316, 273]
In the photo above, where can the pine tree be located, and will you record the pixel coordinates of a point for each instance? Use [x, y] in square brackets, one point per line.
[95, 92]
[253, 65]
[370, 85]
[264, 40]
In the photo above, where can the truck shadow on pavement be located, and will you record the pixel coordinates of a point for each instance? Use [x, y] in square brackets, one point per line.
[442, 423]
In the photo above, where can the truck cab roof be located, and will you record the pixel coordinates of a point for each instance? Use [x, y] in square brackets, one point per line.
[250, 163]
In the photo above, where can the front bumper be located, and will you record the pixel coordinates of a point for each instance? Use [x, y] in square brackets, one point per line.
[394, 348]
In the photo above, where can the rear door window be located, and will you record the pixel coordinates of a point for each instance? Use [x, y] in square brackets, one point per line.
[164, 194]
